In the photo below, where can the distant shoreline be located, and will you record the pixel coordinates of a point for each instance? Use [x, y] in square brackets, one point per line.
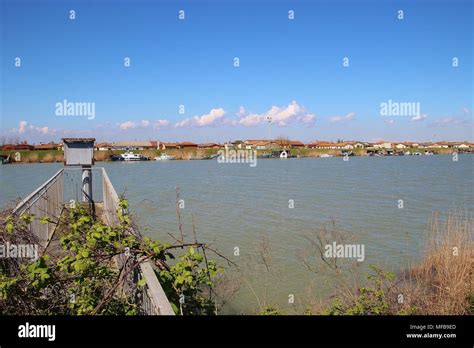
[57, 156]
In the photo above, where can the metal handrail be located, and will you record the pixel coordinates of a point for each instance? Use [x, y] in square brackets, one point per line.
[27, 200]
[152, 292]
[48, 199]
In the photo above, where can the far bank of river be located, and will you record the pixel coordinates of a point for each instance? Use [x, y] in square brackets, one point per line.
[57, 156]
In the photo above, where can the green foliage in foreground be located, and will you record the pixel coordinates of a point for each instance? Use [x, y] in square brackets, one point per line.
[371, 299]
[470, 299]
[86, 279]
[271, 310]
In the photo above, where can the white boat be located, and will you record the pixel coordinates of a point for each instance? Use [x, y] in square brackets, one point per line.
[284, 154]
[408, 153]
[326, 155]
[164, 157]
[429, 153]
[130, 156]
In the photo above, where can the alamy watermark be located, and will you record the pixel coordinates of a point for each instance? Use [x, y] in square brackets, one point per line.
[67, 108]
[342, 251]
[20, 251]
[37, 331]
[237, 156]
[394, 108]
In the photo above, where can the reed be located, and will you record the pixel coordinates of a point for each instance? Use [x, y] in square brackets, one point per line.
[441, 283]
[47, 158]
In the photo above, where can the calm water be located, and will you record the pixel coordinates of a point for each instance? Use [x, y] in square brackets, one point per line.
[234, 205]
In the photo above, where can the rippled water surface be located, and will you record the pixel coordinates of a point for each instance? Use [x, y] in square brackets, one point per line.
[234, 205]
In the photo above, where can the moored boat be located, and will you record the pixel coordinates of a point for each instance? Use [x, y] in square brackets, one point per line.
[130, 156]
[116, 158]
[265, 155]
[164, 157]
[4, 159]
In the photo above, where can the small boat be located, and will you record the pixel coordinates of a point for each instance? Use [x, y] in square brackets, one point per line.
[130, 156]
[429, 153]
[284, 154]
[209, 157]
[116, 158]
[5, 159]
[265, 155]
[416, 153]
[408, 153]
[326, 155]
[164, 157]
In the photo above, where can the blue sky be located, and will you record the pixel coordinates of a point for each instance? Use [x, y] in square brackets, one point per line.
[291, 71]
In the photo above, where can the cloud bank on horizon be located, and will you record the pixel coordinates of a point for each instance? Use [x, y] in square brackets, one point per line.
[281, 117]
[306, 77]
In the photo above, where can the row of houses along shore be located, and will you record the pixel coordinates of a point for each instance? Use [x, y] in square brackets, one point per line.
[247, 145]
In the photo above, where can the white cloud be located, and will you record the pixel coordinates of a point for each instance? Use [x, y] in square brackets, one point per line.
[307, 119]
[341, 119]
[22, 126]
[281, 116]
[465, 110]
[242, 112]
[42, 130]
[204, 120]
[127, 125]
[251, 120]
[161, 123]
[419, 117]
[131, 125]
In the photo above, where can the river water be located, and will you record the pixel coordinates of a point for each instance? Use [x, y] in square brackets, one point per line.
[235, 205]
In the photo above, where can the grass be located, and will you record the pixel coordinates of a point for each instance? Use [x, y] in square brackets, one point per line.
[440, 283]
[36, 156]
